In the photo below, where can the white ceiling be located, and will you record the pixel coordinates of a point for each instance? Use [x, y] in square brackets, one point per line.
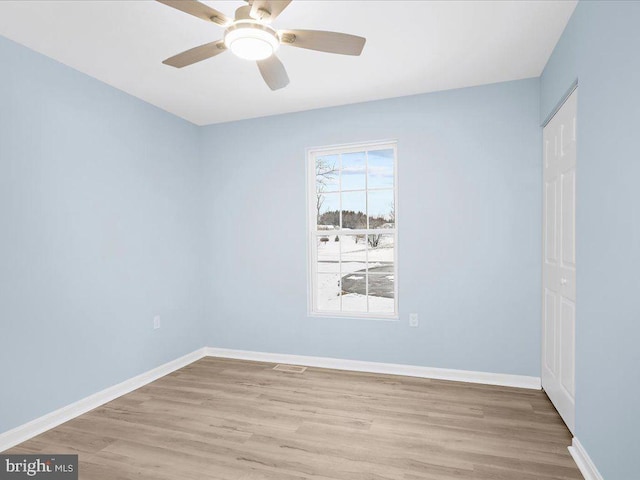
[412, 47]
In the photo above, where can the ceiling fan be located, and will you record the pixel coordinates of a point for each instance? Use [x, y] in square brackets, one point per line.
[250, 36]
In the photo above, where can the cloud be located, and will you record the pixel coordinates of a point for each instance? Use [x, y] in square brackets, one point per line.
[379, 171]
[354, 170]
[374, 171]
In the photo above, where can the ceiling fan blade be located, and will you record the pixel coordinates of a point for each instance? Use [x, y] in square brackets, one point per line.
[273, 72]
[196, 54]
[200, 10]
[268, 10]
[330, 42]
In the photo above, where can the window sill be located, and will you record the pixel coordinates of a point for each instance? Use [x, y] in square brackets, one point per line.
[354, 316]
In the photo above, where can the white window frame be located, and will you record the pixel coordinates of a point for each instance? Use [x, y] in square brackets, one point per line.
[313, 233]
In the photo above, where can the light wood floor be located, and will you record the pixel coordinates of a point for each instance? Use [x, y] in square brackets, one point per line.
[232, 419]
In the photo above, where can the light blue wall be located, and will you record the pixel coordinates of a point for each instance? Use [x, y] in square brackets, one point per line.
[100, 230]
[601, 48]
[469, 235]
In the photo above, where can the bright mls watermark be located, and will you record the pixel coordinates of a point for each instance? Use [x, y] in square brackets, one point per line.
[50, 467]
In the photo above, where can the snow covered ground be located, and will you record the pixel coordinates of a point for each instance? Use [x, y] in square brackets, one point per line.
[349, 257]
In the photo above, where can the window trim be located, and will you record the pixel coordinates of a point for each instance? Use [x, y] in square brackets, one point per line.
[312, 233]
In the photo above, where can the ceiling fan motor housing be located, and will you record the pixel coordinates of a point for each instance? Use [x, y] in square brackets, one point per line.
[249, 38]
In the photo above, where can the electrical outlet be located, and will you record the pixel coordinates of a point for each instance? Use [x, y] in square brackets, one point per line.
[413, 320]
[156, 322]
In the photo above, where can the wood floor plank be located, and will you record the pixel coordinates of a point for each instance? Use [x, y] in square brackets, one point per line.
[226, 419]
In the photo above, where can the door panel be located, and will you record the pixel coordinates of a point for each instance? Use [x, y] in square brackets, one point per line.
[549, 323]
[568, 220]
[567, 335]
[551, 244]
[559, 260]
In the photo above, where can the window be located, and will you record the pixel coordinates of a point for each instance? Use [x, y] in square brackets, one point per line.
[353, 231]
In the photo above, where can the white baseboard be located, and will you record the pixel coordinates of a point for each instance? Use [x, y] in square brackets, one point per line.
[584, 462]
[502, 379]
[39, 425]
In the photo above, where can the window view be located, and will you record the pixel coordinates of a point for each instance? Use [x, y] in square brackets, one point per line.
[353, 231]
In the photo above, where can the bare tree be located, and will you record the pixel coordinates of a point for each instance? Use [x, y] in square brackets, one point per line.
[325, 174]
[319, 202]
[374, 240]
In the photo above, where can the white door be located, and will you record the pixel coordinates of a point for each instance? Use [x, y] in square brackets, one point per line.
[559, 260]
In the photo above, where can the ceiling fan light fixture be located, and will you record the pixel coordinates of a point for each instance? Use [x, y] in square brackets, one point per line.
[251, 41]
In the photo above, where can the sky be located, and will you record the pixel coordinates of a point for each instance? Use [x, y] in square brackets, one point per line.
[358, 171]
